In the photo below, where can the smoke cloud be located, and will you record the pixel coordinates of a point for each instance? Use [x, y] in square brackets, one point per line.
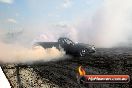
[20, 54]
[116, 24]
[110, 26]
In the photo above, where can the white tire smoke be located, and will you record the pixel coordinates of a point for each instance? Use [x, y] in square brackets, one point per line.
[10, 53]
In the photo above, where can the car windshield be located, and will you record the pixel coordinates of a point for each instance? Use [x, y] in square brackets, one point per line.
[69, 42]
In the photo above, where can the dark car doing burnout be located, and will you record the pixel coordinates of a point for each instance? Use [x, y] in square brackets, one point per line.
[75, 49]
[71, 48]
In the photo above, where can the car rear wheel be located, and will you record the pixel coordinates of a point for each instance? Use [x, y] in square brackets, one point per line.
[83, 52]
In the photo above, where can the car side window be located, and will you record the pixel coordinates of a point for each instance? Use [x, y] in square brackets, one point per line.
[66, 41]
[69, 42]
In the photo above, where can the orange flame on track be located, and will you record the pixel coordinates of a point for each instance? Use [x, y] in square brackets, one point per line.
[81, 71]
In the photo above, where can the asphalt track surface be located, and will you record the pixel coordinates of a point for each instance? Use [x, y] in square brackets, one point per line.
[105, 61]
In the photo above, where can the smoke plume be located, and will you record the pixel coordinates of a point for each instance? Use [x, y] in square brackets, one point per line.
[110, 26]
[15, 51]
